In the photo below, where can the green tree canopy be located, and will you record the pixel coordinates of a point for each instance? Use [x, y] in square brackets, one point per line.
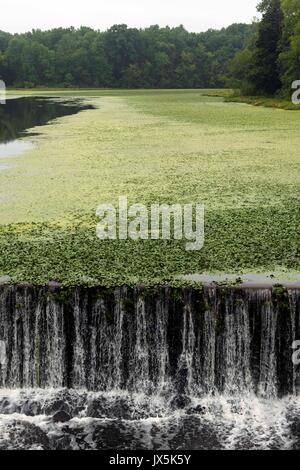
[121, 57]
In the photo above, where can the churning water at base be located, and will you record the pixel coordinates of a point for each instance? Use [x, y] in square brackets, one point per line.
[159, 369]
[118, 420]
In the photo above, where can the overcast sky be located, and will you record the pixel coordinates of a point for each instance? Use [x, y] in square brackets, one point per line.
[195, 15]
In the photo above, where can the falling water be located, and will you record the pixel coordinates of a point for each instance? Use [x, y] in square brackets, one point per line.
[206, 367]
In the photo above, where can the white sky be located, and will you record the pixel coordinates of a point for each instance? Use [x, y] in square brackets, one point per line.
[195, 15]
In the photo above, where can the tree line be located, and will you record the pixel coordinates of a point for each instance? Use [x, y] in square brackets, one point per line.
[259, 59]
[271, 61]
[121, 57]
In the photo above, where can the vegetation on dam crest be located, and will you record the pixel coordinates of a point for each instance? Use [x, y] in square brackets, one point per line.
[240, 161]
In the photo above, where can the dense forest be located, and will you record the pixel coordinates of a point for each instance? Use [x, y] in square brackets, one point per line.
[259, 59]
[271, 61]
[121, 57]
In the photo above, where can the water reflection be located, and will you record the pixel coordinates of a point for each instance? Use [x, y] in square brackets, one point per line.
[20, 114]
[10, 149]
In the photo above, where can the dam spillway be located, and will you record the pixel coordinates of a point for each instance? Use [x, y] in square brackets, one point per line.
[184, 340]
[140, 354]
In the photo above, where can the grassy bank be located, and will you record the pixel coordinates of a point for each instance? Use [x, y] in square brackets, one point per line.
[276, 103]
[168, 146]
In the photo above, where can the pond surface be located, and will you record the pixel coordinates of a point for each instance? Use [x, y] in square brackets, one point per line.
[9, 149]
[18, 115]
[290, 280]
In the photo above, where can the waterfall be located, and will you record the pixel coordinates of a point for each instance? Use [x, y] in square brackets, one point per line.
[154, 341]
